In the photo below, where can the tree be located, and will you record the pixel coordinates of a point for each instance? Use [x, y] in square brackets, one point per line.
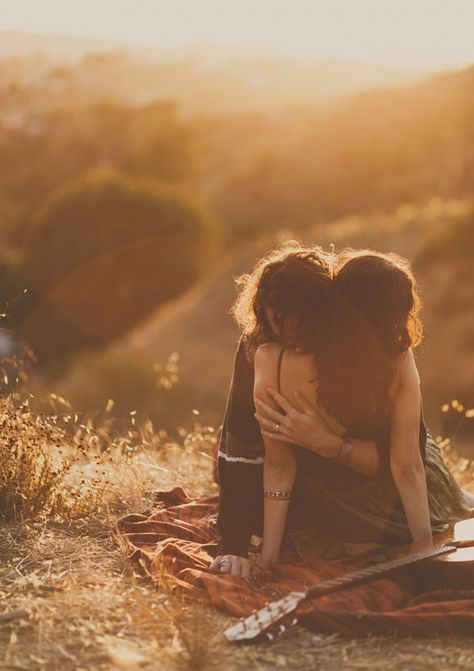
[63, 144]
[104, 252]
[161, 146]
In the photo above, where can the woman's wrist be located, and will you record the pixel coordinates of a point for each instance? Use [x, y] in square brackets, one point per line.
[344, 450]
[264, 561]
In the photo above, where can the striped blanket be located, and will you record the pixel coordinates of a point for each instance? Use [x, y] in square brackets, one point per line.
[178, 535]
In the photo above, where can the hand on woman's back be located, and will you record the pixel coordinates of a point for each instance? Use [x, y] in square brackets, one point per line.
[299, 421]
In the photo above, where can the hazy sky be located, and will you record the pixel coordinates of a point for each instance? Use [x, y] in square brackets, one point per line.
[419, 33]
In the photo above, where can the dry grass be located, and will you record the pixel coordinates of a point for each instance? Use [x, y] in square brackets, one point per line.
[88, 610]
[70, 599]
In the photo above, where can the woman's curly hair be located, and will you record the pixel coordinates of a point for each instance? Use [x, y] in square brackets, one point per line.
[384, 289]
[375, 320]
[293, 279]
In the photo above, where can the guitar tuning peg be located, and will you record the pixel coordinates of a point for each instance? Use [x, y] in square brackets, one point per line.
[281, 629]
[270, 636]
[293, 622]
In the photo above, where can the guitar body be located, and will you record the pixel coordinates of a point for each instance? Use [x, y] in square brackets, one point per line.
[453, 570]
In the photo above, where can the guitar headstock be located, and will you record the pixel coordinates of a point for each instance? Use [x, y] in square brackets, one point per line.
[269, 622]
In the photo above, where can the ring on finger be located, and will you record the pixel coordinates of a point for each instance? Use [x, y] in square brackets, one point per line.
[277, 428]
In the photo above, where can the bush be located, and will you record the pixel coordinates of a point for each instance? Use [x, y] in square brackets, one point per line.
[14, 299]
[453, 241]
[106, 251]
[130, 380]
[30, 480]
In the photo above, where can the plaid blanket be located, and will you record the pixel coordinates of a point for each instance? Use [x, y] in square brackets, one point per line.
[178, 535]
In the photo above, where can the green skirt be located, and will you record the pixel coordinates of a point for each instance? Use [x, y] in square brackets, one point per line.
[362, 514]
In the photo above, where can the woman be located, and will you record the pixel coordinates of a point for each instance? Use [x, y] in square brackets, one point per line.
[360, 370]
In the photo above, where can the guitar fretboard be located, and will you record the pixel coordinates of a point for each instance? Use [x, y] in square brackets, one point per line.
[363, 575]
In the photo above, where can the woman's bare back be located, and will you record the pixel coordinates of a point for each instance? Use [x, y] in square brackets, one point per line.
[296, 372]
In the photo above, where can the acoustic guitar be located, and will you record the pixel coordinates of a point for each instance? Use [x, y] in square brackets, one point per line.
[449, 563]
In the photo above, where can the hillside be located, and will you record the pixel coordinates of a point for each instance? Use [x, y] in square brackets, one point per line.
[373, 150]
[202, 79]
[20, 44]
[198, 327]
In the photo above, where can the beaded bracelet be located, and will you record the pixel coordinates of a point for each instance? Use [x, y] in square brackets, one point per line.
[280, 495]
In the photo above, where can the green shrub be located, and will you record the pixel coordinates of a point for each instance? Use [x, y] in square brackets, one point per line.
[104, 253]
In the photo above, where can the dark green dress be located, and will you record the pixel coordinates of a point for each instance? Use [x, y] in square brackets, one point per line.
[336, 512]
[338, 516]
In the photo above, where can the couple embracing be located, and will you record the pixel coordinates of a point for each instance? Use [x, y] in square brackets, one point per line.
[324, 446]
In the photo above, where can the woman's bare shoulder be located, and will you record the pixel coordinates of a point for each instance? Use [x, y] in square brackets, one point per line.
[268, 353]
[297, 368]
[299, 361]
[265, 368]
[407, 371]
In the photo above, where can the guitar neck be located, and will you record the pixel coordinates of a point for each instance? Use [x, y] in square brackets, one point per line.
[273, 619]
[369, 572]
[262, 622]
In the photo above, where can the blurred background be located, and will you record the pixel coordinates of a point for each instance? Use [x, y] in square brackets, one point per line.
[150, 152]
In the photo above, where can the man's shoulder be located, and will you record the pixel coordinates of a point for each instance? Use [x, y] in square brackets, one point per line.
[245, 352]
